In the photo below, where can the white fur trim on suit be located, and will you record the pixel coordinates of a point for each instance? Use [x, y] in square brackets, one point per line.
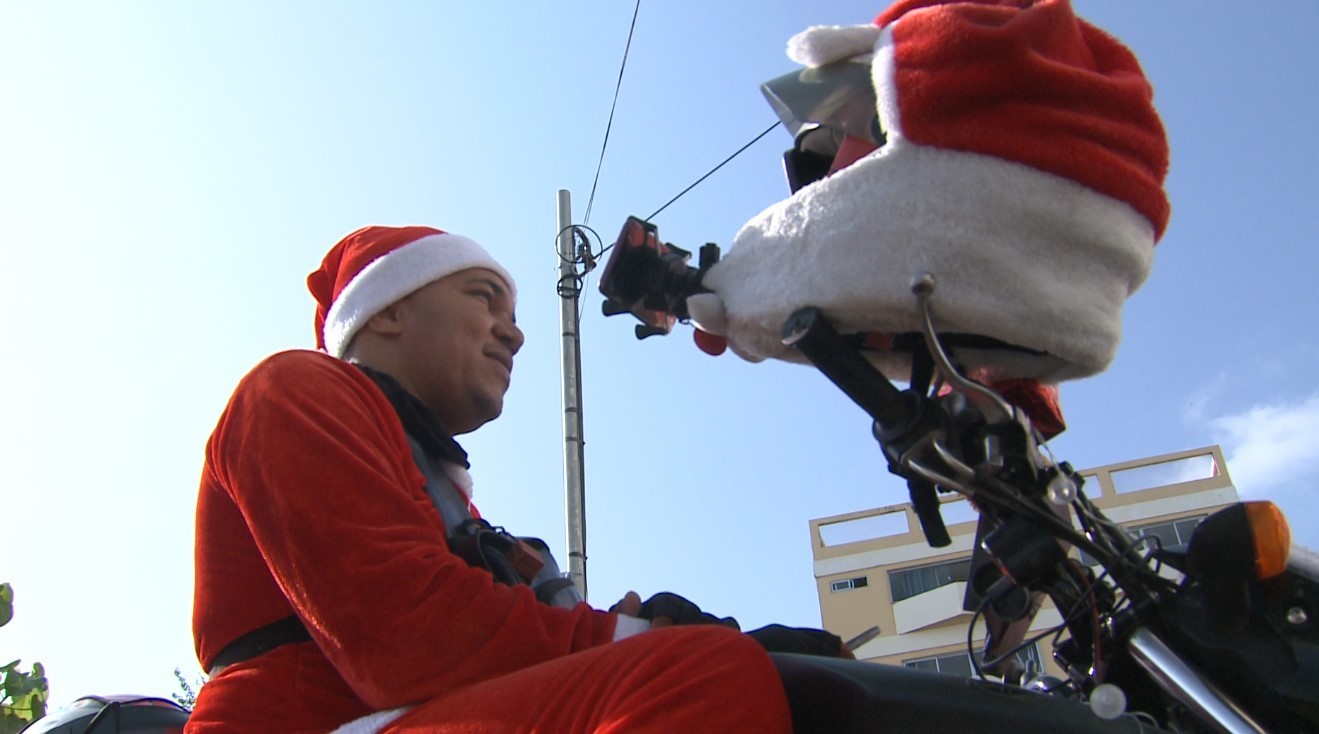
[398, 273]
[461, 478]
[372, 723]
[627, 626]
[1023, 256]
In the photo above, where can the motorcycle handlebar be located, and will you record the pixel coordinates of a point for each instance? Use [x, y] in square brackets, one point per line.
[893, 410]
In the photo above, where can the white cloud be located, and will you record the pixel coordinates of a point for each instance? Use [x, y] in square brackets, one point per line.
[1198, 402]
[1273, 453]
[1269, 445]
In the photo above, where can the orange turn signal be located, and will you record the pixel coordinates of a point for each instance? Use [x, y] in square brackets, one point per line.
[1273, 538]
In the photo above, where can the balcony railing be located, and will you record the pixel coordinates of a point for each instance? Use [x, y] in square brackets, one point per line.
[1113, 485]
[930, 608]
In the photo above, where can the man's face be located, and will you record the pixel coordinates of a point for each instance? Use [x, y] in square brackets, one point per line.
[459, 337]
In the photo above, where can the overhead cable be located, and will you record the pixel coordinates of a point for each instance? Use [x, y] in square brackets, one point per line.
[603, 146]
[712, 170]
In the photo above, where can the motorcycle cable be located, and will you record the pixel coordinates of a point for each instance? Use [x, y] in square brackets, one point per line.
[1079, 609]
[994, 410]
[979, 664]
[1107, 535]
[1097, 593]
[1089, 595]
[1004, 496]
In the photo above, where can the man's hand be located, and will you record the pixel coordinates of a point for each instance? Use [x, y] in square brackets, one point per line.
[666, 609]
[630, 605]
[801, 640]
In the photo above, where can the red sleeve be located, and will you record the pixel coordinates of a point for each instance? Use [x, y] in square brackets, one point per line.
[316, 462]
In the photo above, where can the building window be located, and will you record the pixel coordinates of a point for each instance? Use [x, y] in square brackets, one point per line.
[912, 581]
[959, 663]
[1170, 533]
[857, 583]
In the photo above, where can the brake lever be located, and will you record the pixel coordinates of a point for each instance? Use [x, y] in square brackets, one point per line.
[992, 405]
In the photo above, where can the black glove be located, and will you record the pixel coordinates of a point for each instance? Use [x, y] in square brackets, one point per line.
[681, 611]
[801, 640]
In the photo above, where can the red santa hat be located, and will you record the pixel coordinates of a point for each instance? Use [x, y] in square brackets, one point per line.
[376, 266]
[1023, 168]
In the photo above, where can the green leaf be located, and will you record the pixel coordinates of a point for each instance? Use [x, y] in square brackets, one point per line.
[32, 704]
[10, 723]
[6, 604]
[23, 696]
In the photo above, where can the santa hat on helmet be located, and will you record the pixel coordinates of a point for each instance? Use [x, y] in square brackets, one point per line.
[1023, 169]
[376, 266]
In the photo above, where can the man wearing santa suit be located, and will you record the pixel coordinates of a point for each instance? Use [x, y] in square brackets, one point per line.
[327, 595]
[1021, 166]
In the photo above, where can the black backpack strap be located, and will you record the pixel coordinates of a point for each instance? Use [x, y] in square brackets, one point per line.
[446, 497]
[511, 559]
[260, 640]
[551, 585]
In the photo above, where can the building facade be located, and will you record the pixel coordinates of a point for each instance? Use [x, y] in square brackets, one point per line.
[898, 601]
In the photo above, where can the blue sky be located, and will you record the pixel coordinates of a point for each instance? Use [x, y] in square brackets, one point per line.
[169, 173]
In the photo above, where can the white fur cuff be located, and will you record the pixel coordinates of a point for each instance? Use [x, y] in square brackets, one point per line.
[1026, 257]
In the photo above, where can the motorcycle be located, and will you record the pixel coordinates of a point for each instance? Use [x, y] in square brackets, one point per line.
[93, 714]
[1232, 646]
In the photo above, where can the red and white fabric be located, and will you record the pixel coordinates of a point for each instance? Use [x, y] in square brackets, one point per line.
[376, 266]
[1023, 169]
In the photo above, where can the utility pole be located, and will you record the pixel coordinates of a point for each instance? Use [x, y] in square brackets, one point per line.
[574, 470]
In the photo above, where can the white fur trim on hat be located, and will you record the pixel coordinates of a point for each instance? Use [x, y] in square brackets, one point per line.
[398, 273]
[881, 75]
[1032, 259]
[820, 45]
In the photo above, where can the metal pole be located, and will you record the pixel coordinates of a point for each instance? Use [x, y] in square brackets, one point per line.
[574, 472]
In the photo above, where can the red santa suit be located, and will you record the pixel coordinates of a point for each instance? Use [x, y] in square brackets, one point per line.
[311, 506]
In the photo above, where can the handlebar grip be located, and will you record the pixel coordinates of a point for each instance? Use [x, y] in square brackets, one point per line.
[818, 341]
[925, 503]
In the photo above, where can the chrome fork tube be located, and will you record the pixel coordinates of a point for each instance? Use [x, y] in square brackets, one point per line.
[1183, 683]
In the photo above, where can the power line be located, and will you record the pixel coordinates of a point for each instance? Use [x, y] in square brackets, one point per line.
[591, 200]
[712, 170]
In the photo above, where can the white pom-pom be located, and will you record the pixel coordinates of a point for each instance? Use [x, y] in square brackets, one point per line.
[707, 312]
[820, 45]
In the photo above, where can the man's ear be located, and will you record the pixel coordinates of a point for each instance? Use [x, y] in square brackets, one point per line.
[388, 322]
